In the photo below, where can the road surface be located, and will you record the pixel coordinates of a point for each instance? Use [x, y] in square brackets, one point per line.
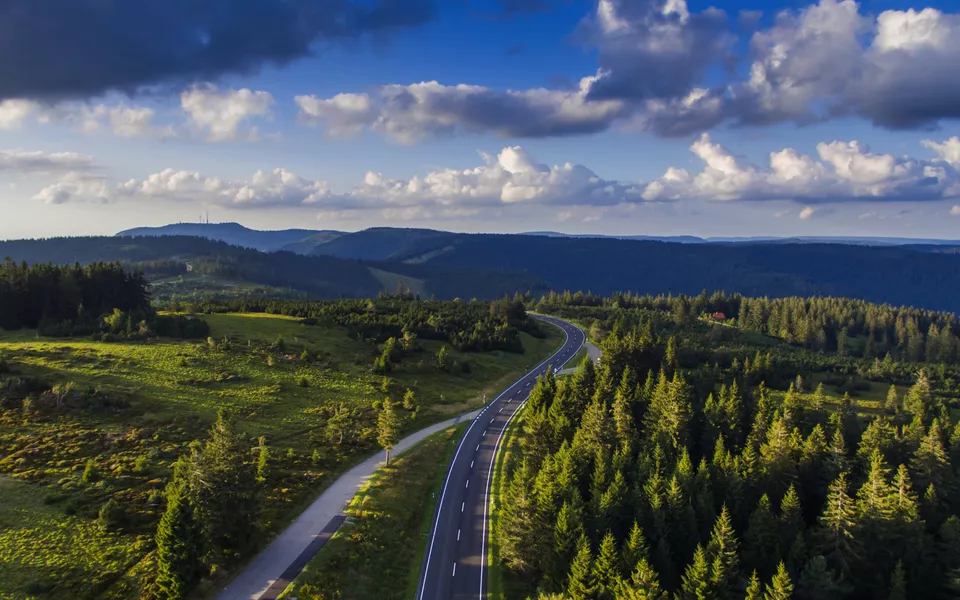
[273, 569]
[454, 566]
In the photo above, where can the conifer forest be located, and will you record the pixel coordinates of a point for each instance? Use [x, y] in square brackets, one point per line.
[727, 447]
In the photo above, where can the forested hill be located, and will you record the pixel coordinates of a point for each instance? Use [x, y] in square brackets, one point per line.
[483, 266]
[895, 275]
[161, 257]
[238, 235]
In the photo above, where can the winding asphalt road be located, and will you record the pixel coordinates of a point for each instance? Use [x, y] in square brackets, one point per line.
[454, 566]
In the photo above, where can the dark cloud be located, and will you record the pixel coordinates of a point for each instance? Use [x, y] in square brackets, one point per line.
[54, 49]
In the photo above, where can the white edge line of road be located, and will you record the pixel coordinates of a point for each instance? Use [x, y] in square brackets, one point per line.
[433, 536]
[486, 495]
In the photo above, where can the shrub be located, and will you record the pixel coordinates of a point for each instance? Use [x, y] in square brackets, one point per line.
[112, 516]
[141, 465]
[304, 382]
[90, 473]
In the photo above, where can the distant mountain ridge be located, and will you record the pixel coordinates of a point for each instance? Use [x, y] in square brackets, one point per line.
[808, 239]
[300, 241]
[484, 266]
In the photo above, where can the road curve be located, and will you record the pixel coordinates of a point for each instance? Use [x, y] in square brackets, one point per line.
[454, 566]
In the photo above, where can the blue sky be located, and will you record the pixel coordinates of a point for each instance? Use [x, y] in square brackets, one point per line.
[658, 117]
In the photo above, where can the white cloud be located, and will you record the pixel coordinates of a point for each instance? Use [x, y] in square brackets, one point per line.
[14, 112]
[75, 186]
[841, 172]
[221, 115]
[955, 211]
[948, 151]
[346, 114]
[512, 177]
[278, 187]
[43, 162]
[408, 113]
[844, 172]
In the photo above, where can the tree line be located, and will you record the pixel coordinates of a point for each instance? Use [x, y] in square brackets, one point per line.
[642, 479]
[50, 294]
[843, 325]
[472, 326]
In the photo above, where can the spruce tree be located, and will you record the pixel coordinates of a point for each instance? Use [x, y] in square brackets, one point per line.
[892, 404]
[931, 464]
[790, 521]
[761, 539]
[838, 526]
[643, 585]
[179, 544]
[388, 427]
[780, 587]
[818, 582]
[696, 584]
[634, 549]
[723, 555]
[263, 460]
[517, 521]
[898, 583]
[754, 588]
[606, 576]
[580, 585]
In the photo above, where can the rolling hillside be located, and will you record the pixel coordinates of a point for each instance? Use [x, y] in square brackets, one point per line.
[451, 265]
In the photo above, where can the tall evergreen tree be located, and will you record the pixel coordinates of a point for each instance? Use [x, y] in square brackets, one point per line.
[696, 584]
[580, 584]
[838, 526]
[723, 554]
[388, 427]
[780, 587]
[179, 542]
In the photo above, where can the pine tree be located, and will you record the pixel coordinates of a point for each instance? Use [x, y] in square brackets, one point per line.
[606, 576]
[263, 460]
[931, 464]
[178, 540]
[790, 521]
[898, 583]
[388, 427]
[643, 585]
[223, 492]
[754, 588]
[580, 585]
[634, 549]
[918, 397]
[760, 539]
[780, 588]
[892, 405]
[818, 582]
[819, 400]
[409, 400]
[723, 555]
[838, 527]
[566, 533]
[517, 520]
[696, 583]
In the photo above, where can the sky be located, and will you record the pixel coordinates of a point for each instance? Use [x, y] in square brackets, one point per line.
[654, 117]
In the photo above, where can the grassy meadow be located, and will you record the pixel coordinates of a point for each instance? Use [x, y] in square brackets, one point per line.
[145, 402]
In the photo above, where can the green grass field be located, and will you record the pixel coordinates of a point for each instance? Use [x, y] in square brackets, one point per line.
[378, 551]
[163, 395]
